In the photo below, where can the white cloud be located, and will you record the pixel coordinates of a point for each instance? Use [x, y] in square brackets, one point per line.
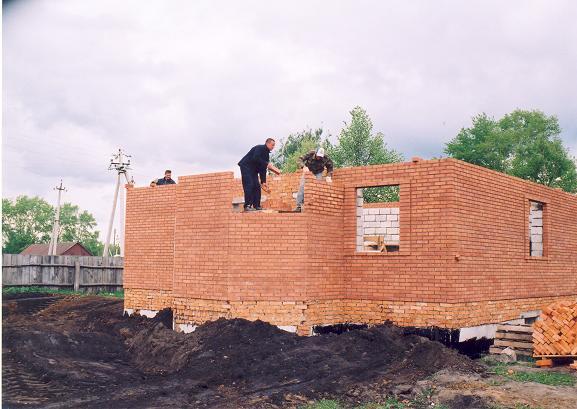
[192, 85]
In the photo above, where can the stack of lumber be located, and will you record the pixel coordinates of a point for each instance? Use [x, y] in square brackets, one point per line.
[516, 337]
[555, 333]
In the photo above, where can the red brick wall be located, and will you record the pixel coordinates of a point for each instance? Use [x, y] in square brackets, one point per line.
[149, 239]
[463, 243]
[326, 259]
[203, 203]
[492, 223]
[424, 267]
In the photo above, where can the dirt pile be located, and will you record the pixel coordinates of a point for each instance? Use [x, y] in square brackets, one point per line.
[83, 349]
[259, 355]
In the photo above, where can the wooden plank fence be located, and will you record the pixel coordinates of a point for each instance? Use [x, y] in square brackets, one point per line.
[81, 273]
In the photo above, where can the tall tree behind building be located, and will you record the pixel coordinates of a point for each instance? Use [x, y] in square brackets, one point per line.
[358, 145]
[525, 144]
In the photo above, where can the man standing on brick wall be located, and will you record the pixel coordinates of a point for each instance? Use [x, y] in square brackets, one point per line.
[314, 162]
[254, 164]
[166, 180]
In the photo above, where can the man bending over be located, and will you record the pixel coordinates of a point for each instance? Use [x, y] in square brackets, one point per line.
[314, 162]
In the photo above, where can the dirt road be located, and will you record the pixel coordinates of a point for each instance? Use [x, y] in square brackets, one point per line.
[81, 352]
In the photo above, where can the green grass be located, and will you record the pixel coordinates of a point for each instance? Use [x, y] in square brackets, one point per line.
[58, 291]
[390, 403]
[546, 377]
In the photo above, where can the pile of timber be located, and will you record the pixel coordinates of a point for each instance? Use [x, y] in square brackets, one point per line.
[555, 333]
[517, 337]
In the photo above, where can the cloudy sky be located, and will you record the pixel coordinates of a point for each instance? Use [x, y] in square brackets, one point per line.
[191, 85]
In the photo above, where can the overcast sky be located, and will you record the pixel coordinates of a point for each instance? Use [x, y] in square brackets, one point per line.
[192, 85]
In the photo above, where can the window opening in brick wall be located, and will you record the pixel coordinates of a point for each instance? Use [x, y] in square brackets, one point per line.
[536, 225]
[378, 219]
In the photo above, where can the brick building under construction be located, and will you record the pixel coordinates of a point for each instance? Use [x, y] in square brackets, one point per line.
[463, 246]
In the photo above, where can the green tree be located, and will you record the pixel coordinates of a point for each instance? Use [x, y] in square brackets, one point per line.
[28, 220]
[525, 144]
[25, 221]
[358, 145]
[296, 145]
[79, 226]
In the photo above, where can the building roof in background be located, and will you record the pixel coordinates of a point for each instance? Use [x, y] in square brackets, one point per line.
[42, 249]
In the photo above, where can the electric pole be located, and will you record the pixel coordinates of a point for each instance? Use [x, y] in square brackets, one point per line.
[56, 225]
[120, 162]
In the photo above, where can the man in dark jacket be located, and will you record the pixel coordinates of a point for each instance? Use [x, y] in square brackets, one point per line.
[166, 180]
[254, 164]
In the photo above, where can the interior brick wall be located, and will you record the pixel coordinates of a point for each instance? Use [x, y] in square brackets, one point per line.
[302, 269]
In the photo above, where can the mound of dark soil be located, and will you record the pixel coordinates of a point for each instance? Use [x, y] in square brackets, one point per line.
[83, 349]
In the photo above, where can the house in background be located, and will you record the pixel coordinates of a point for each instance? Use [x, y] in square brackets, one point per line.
[62, 249]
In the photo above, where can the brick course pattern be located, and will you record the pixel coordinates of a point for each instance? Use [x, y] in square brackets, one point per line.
[456, 267]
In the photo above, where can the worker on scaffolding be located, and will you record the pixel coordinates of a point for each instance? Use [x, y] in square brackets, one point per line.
[314, 162]
[252, 166]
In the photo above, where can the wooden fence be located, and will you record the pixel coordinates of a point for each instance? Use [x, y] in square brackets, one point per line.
[80, 273]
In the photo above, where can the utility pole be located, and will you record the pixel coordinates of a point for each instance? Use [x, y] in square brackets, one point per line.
[120, 162]
[56, 225]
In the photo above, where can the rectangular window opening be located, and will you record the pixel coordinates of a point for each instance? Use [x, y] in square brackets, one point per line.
[536, 232]
[378, 219]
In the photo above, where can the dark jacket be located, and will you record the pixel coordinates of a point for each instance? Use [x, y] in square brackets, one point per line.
[316, 165]
[257, 160]
[163, 181]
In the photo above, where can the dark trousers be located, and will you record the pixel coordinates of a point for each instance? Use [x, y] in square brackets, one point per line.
[251, 186]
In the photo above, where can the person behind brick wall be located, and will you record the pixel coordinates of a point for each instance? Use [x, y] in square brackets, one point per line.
[153, 183]
[252, 166]
[167, 179]
[314, 162]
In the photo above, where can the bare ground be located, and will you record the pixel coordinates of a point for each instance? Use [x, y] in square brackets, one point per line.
[81, 352]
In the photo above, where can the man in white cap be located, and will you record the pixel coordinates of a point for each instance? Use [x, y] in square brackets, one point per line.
[315, 162]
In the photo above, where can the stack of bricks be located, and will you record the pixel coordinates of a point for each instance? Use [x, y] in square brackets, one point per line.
[555, 333]
[186, 249]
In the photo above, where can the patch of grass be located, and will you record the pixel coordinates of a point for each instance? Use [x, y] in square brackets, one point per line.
[58, 291]
[389, 403]
[545, 378]
[324, 404]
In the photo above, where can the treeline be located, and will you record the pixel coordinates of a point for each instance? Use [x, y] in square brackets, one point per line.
[525, 144]
[28, 220]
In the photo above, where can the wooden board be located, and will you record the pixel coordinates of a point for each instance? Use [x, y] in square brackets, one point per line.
[555, 356]
[513, 344]
[514, 336]
[527, 329]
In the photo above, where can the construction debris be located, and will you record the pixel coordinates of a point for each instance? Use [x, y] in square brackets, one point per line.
[515, 337]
